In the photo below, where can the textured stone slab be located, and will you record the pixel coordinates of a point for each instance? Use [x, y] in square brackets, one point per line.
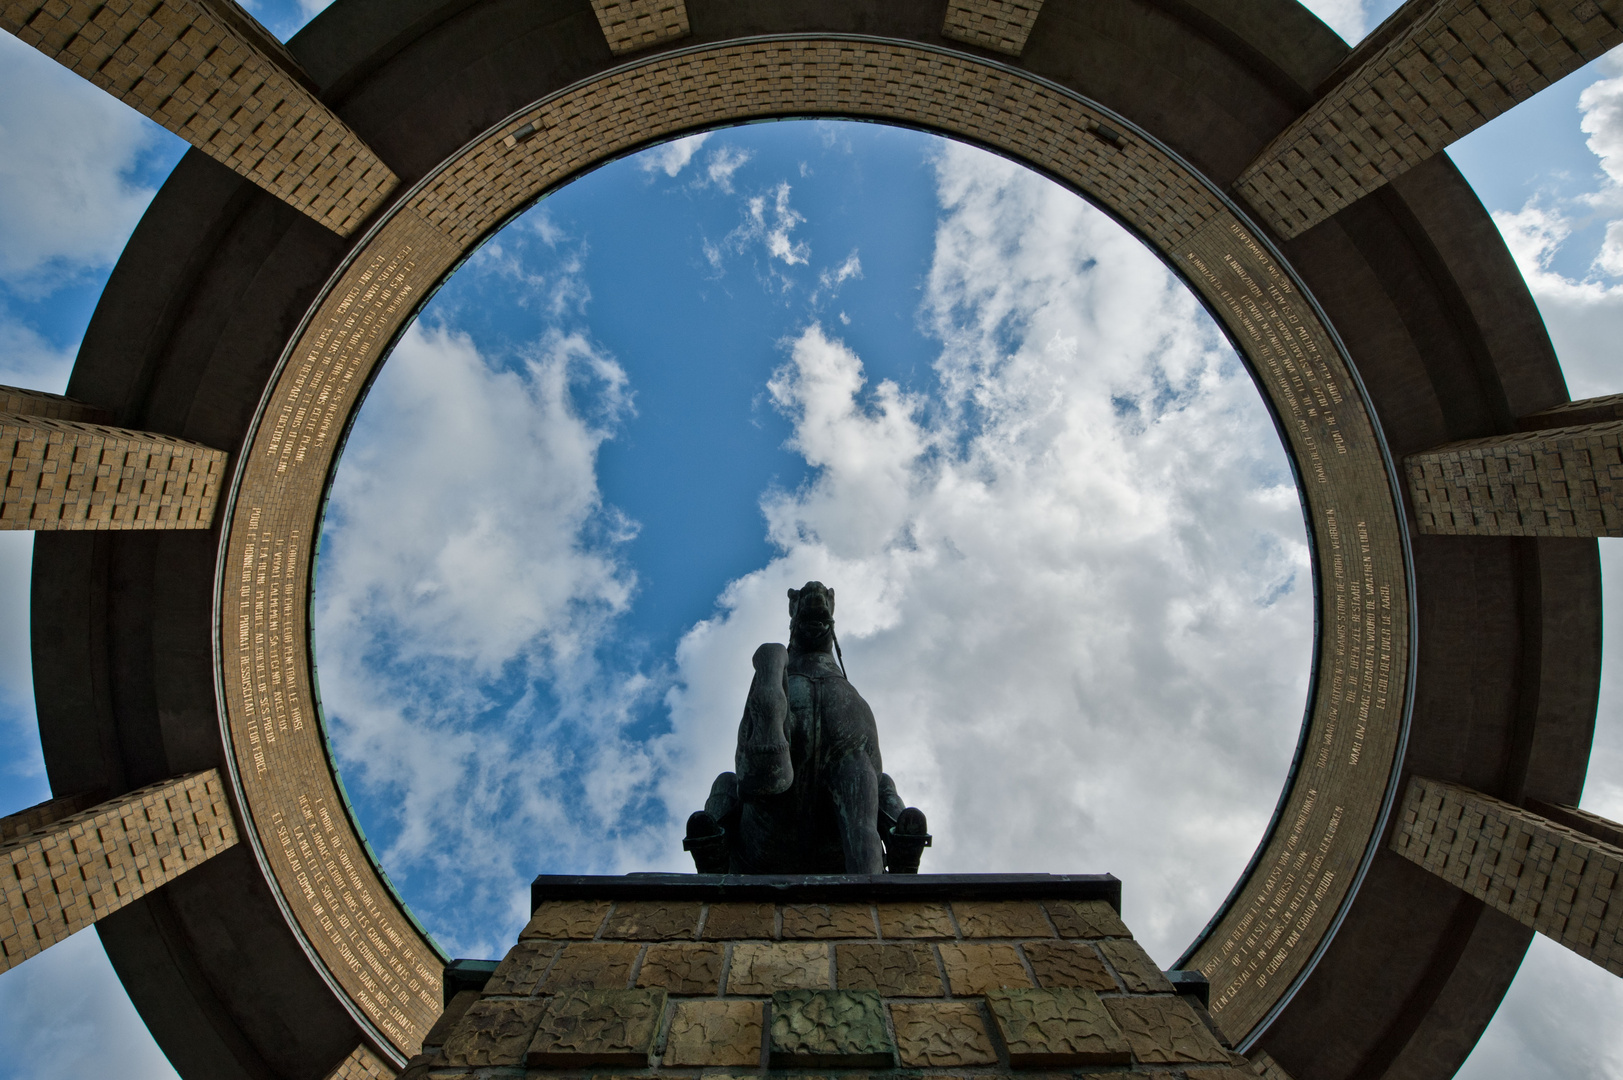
[683, 968]
[733, 922]
[829, 1028]
[1135, 967]
[1086, 919]
[975, 968]
[452, 1016]
[1164, 1030]
[1047, 1028]
[761, 967]
[828, 921]
[1001, 919]
[597, 1027]
[915, 921]
[493, 1033]
[705, 1033]
[591, 965]
[653, 920]
[521, 970]
[903, 969]
[937, 1034]
[1061, 965]
[567, 919]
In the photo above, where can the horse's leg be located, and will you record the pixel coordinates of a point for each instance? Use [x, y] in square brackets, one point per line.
[762, 760]
[855, 787]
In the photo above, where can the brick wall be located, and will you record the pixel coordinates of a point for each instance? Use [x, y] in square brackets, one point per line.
[999, 25]
[42, 814]
[64, 877]
[21, 402]
[1457, 67]
[63, 474]
[629, 25]
[363, 1064]
[1559, 881]
[675, 987]
[197, 68]
[1558, 482]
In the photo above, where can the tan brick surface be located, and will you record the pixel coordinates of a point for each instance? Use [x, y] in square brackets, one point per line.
[1561, 882]
[941, 1034]
[494, 1032]
[565, 919]
[901, 920]
[63, 474]
[20, 402]
[905, 969]
[653, 920]
[1135, 967]
[216, 79]
[1068, 964]
[1056, 1028]
[999, 25]
[363, 1064]
[1001, 919]
[1164, 1030]
[458, 1007]
[838, 1028]
[1558, 482]
[597, 1027]
[761, 967]
[521, 970]
[714, 1033]
[974, 968]
[630, 25]
[42, 814]
[1453, 70]
[1090, 919]
[828, 921]
[731, 922]
[86, 866]
[683, 969]
[592, 965]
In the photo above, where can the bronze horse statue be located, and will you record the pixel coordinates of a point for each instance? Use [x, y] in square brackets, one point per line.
[809, 794]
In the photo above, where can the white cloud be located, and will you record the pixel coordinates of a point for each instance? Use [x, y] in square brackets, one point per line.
[1584, 315]
[831, 279]
[769, 220]
[66, 1014]
[28, 360]
[1073, 578]
[723, 163]
[1346, 17]
[66, 148]
[1558, 1020]
[672, 157]
[457, 633]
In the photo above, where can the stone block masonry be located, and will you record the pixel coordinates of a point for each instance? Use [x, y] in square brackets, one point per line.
[80, 868]
[1557, 880]
[999, 25]
[1557, 482]
[206, 71]
[689, 981]
[1458, 65]
[63, 474]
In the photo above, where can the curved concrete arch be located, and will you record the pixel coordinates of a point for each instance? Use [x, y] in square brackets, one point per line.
[228, 309]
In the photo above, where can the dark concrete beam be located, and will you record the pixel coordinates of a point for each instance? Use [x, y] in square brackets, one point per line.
[1454, 65]
[207, 71]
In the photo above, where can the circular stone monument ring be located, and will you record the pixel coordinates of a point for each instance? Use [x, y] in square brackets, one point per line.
[1295, 185]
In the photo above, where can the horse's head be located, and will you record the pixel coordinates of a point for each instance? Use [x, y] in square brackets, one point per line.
[811, 618]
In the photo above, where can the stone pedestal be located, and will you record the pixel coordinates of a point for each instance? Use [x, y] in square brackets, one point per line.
[683, 975]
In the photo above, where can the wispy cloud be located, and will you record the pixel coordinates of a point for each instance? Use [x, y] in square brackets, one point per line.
[672, 157]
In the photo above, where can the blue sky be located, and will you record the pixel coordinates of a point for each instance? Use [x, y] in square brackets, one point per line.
[786, 351]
